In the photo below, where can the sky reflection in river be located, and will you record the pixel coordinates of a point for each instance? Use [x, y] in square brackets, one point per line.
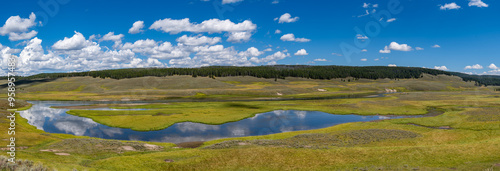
[55, 120]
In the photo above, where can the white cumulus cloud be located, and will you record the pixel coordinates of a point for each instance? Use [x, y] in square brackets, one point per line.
[112, 37]
[18, 28]
[493, 66]
[301, 52]
[291, 37]
[444, 68]
[239, 36]
[270, 59]
[477, 3]
[198, 40]
[76, 42]
[136, 27]
[210, 26]
[477, 66]
[449, 6]
[396, 46]
[286, 18]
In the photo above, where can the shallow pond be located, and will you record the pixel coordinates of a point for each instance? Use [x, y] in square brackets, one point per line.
[55, 120]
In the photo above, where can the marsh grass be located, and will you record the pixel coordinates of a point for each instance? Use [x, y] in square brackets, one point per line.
[155, 88]
[472, 144]
[21, 165]
[484, 114]
[98, 146]
[344, 139]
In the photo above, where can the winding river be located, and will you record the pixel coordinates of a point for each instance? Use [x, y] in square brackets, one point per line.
[56, 120]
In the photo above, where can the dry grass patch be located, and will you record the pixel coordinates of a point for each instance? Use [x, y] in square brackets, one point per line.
[344, 139]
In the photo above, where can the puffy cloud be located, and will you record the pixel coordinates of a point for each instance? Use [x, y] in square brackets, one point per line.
[392, 65]
[140, 46]
[449, 6]
[493, 66]
[435, 46]
[76, 42]
[441, 68]
[33, 59]
[239, 36]
[112, 37]
[320, 60]
[396, 46]
[277, 31]
[213, 55]
[270, 59]
[198, 40]
[493, 72]
[210, 26]
[13, 36]
[251, 52]
[477, 3]
[291, 37]
[419, 48]
[477, 66]
[136, 27]
[18, 28]
[230, 1]
[399, 47]
[286, 18]
[364, 59]
[385, 50]
[154, 49]
[301, 52]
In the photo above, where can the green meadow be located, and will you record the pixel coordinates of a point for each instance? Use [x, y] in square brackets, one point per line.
[463, 133]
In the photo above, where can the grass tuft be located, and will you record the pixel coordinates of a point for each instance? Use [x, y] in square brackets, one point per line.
[345, 139]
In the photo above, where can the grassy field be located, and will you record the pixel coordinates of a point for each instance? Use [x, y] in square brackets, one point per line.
[469, 140]
[157, 88]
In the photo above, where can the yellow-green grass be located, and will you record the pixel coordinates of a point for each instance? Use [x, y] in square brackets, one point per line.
[157, 88]
[36, 140]
[161, 116]
[461, 149]
[471, 144]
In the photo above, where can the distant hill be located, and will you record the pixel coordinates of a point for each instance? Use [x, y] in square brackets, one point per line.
[276, 72]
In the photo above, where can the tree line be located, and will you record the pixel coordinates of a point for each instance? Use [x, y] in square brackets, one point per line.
[276, 72]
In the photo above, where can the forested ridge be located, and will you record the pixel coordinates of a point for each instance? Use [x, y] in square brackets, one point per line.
[276, 72]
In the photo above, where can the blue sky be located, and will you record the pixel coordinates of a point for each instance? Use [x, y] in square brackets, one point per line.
[71, 35]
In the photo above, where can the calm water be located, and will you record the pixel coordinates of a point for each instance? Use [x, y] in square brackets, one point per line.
[57, 121]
